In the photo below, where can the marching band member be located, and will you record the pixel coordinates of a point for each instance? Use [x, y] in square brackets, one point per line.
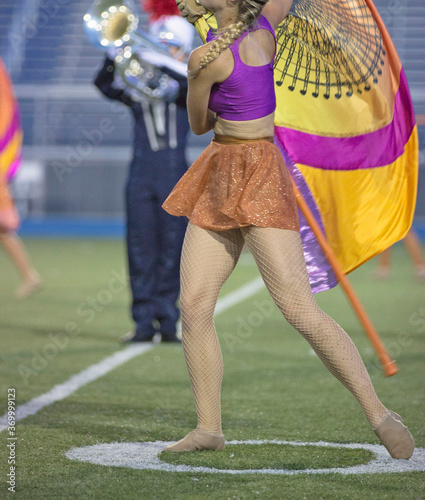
[154, 238]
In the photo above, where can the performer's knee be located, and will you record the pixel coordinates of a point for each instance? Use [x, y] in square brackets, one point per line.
[197, 310]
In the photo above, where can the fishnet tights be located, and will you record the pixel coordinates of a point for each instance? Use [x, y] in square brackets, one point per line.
[208, 259]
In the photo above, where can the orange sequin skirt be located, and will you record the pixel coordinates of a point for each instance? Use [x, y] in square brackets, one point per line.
[236, 183]
[9, 218]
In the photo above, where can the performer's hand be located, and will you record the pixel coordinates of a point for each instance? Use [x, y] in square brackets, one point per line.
[191, 10]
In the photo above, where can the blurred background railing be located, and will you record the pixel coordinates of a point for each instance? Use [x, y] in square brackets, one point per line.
[77, 145]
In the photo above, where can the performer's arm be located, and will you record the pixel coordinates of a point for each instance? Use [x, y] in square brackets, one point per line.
[201, 118]
[276, 10]
[105, 83]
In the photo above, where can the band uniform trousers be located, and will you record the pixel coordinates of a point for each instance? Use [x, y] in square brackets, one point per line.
[154, 237]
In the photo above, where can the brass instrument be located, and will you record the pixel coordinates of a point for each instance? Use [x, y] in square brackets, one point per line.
[113, 24]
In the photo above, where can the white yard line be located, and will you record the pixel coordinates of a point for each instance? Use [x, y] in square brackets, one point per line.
[61, 391]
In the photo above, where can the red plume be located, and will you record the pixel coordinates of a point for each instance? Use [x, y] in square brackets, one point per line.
[158, 8]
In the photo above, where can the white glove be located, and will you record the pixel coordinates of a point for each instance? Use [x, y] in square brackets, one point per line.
[158, 60]
[191, 10]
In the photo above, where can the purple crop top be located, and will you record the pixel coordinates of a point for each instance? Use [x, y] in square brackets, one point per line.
[248, 93]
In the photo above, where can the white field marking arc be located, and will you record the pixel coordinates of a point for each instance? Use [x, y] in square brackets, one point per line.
[144, 456]
[61, 391]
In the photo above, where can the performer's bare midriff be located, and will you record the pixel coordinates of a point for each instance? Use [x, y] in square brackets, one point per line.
[249, 129]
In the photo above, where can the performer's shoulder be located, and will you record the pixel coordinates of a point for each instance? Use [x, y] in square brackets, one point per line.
[199, 53]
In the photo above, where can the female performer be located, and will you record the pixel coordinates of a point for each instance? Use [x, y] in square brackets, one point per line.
[239, 191]
[10, 153]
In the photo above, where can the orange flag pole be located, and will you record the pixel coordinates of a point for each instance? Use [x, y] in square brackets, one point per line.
[389, 366]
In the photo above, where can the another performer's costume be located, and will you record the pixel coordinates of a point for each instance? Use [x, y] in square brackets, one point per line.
[10, 150]
[154, 238]
[9, 218]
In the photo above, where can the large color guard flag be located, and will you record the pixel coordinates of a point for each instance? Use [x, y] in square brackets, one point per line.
[10, 127]
[346, 128]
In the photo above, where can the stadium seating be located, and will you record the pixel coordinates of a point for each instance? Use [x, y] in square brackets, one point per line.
[53, 65]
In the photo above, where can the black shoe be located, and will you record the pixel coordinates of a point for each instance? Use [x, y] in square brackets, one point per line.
[170, 338]
[136, 337]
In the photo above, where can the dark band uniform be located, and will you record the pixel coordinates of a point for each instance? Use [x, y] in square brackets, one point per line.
[154, 238]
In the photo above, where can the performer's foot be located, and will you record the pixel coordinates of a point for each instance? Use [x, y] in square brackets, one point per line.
[30, 286]
[136, 337]
[171, 337]
[198, 440]
[420, 273]
[381, 273]
[395, 436]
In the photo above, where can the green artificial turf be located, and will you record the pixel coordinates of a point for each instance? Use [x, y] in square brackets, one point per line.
[271, 456]
[274, 388]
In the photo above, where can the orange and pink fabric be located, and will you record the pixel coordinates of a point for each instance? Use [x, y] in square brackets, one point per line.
[10, 149]
[10, 127]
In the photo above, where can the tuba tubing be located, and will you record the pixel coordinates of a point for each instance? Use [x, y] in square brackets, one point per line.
[114, 24]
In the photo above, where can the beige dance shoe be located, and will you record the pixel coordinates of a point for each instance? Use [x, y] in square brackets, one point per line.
[395, 436]
[198, 440]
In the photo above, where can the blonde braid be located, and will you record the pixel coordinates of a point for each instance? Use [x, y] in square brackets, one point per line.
[249, 10]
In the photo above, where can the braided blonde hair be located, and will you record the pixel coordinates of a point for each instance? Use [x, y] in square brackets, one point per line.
[248, 12]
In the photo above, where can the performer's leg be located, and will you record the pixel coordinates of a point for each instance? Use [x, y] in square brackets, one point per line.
[171, 234]
[279, 256]
[142, 251]
[19, 256]
[171, 231]
[414, 249]
[208, 258]
[383, 270]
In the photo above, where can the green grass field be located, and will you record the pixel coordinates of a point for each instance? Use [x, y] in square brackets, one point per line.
[274, 388]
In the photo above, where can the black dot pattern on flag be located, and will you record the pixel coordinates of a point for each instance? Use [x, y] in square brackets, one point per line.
[329, 48]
